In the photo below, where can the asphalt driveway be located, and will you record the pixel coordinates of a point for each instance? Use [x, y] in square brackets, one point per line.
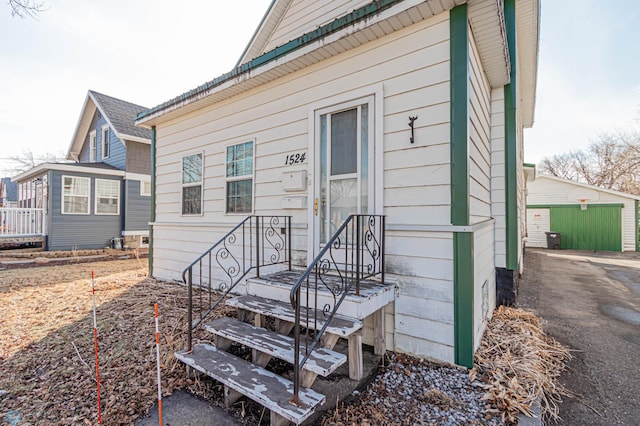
[591, 301]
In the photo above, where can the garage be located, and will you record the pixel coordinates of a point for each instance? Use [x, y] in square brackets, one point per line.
[587, 217]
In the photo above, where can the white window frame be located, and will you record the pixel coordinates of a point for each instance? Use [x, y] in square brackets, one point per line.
[88, 196]
[144, 193]
[96, 196]
[192, 184]
[93, 146]
[106, 141]
[239, 178]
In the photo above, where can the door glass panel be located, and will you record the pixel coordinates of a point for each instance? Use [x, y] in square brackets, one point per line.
[344, 142]
[322, 199]
[344, 199]
[364, 159]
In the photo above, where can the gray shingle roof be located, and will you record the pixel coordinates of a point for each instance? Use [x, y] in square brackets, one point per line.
[121, 114]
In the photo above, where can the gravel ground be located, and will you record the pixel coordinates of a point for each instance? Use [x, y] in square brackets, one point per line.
[410, 391]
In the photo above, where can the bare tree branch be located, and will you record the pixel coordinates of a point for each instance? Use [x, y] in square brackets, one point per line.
[27, 159]
[27, 8]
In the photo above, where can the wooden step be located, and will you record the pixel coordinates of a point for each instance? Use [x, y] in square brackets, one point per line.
[340, 325]
[321, 361]
[264, 387]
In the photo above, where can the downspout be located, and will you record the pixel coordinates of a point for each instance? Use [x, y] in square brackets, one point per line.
[152, 216]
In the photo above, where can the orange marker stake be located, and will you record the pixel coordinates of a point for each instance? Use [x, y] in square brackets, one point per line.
[95, 342]
[158, 366]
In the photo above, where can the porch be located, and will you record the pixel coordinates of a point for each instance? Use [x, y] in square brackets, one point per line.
[22, 225]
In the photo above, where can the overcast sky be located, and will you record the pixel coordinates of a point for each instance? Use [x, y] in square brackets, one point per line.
[148, 51]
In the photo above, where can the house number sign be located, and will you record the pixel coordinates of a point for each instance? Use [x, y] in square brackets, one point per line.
[297, 158]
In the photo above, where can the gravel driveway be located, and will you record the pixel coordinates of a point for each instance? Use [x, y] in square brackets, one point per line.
[592, 304]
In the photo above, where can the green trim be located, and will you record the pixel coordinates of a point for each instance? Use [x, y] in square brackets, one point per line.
[549, 206]
[463, 295]
[637, 227]
[363, 13]
[529, 165]
[511, 142]
[152, 216]
[459, 86]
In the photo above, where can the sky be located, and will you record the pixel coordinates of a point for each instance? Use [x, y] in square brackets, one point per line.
[148, 51]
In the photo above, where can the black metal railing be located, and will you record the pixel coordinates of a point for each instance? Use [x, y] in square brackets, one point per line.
[355, 252]
[255, 242]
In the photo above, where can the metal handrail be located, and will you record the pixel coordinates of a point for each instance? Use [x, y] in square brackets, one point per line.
[361, 239]
[258, 239]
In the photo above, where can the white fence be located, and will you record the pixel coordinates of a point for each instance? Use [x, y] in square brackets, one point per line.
[19, 222]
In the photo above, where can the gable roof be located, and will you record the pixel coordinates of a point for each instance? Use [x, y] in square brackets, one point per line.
[119, 115]
[586, 185]
[367, 23]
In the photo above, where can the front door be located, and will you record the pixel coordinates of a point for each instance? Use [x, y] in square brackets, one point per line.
[344, 159]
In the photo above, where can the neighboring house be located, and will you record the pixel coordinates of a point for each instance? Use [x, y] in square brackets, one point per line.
[587, 217]
[8, 192]
[104, 197]
[317, 122]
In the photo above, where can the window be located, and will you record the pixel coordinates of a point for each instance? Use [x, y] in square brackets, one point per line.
[93, 147]
[240, 178]
[106, 145]
[192, 184]
[75, 195]
[145, 188]
[107, 196]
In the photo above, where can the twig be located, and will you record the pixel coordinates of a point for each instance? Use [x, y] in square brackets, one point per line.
[82, 360]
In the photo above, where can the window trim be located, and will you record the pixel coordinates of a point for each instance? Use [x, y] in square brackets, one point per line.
[145, 193]
[192, 184]
[62, 195]
[252, 176]
[95, 196]
[105, 130]
[93, 146]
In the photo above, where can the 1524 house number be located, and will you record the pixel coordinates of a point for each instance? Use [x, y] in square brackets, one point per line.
[294, 159]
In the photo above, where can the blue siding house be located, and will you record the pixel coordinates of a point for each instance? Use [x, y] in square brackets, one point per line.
[101, 197]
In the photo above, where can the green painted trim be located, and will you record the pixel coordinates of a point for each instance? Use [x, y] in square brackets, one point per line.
[365, 12]
[637, 227]
[529, 165]
[152, 216]
[511, 142]
[459, 87]
[549, 206]
[463, 295]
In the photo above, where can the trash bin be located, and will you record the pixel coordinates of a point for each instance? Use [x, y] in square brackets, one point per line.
[553, 240]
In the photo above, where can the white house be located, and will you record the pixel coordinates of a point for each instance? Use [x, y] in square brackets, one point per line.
[409, 109]
[586, 216]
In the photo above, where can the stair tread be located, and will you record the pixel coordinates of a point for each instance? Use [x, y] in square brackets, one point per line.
[321, 361]
[340, 325]
[265, 387]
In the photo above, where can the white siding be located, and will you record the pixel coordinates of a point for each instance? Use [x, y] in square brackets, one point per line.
[303, 16]
[538, 222]
[479, 136]
[498, 176]
[484, 281]
[545, 191]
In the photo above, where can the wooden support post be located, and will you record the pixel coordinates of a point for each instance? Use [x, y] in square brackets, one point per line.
[328, 341]
[283, 327]
[245, 315]
[230, 396]
[379, 342]
[308, 378]
[355, 356]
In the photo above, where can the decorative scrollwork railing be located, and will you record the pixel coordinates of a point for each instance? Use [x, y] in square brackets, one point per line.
[255, 242]
[354, 253]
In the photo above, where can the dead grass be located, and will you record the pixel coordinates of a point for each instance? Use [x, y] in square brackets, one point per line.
[46, 342]
[518, 363]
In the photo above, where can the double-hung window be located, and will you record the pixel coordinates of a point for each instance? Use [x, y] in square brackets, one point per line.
[93, 147]
[239, 176]
[106, 145]
[192, 184]
[75, 195]
[107, 197]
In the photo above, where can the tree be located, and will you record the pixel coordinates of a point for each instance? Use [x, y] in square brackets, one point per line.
[26, 8]
[612, 161]
[27, 159]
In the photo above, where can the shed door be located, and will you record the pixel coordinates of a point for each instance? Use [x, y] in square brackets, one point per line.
[597, 228]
